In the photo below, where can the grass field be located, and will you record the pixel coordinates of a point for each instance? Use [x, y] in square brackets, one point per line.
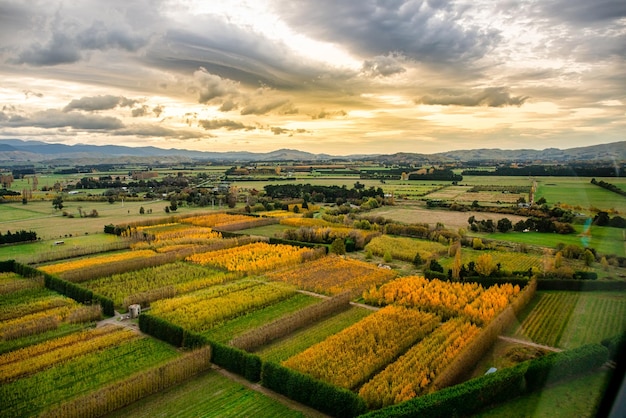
[576, 398]
[209, 395]
[571, 319]
[580, 193]
[41, 217]
[604, 239]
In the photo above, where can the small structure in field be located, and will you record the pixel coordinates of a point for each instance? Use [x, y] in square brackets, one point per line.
[134, 310]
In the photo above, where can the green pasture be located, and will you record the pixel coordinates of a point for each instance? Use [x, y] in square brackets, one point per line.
[208, 395]
[576, 398]
[49, 223]
[580, 194]
[302, 339]
[254, 319]
[28, 251]
[605, 240]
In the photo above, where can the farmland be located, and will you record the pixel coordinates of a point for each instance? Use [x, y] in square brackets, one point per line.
[392, 348]
[571, 319]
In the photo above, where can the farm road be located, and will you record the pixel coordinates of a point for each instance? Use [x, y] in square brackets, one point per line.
[529, 343]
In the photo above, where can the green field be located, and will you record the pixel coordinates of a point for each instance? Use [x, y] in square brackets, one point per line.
[580, 193]
[38, 250]
[605, 240]
[209, 395]
[49, 223]
[571, 319]
[577, 398]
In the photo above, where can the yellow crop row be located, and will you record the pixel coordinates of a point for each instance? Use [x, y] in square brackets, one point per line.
[298, 222]
[94, 261]
[202, 311]
[403, 248]
[215, 219]
[333, 275]
[348, 358]
[54, 344]
[252, 258]
[44, 359]
[410, 375]
[444, 298]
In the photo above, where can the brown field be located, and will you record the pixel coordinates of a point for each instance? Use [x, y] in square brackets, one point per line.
[412, 213]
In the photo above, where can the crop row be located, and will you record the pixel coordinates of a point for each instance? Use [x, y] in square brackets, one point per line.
[447, 299]
[12, 282]
[228, 222]
[253, 258]
[95, 261]
[311, 222]
[205, 309]
[332, 275]
[137, 286]
[403, 248]
[186, 234]
[32, 359]
[350, 357]
[548, 319]
[411, 374]
[31, 394]
[25, 302]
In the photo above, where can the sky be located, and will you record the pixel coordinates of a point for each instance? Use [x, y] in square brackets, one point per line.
[325, 76]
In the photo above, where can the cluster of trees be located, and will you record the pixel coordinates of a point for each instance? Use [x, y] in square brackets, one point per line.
[530, 224]
[327, 194]
[608, 186]
[579, 170]
[603, 219]
[19, 236]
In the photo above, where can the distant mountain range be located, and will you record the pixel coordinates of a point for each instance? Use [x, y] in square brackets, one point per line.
[18, 151]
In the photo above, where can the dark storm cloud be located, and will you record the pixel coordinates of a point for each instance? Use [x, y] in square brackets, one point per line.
[52, 33]
[384, 66]
[139, 111]
[95, 103]
[229, 125]
[153, 130]
[53, 118]
[264, 107]
[585, 12]
[491, 97]
[429, 32]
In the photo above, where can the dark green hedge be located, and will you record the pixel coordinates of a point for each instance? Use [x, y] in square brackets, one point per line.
[430, 274]
[237, 361]
[579, 285]
[302, 244]
[616, 345]
[170, 333]
[324, 397]
[7, 266]
[565, 364]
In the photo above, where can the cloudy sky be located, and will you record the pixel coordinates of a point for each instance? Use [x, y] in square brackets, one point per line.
[333, 76]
